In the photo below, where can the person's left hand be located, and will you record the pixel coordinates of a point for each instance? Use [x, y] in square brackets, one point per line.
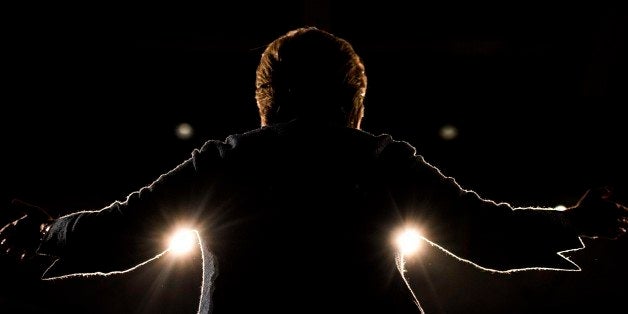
[21, 238]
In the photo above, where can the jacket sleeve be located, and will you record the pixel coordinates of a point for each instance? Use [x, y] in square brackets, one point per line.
[487, 234]
[127, 233]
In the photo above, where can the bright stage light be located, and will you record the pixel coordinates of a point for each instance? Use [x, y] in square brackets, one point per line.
[184, 131]
[448, 132]
[182, 241]
[408, 241]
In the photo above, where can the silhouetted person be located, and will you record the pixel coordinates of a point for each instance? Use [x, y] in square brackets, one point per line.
[299, 214]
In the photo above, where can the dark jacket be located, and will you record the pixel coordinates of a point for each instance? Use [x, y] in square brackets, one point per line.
[296, 217]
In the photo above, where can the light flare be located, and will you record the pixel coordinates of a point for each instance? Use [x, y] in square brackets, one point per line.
[184, 131]
[408, 241]
[182, 241]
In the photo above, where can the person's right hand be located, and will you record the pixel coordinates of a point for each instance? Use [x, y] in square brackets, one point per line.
[597, 215]
[21, 238]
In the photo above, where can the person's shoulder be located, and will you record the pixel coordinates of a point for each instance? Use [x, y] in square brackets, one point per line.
[215, 151]
[396, 156]
[230, 142]
[391, 148]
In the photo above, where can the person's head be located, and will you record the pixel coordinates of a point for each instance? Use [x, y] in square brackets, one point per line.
[313, 75]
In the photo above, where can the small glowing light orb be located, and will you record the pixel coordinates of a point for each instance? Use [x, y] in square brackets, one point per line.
[408, 241]
[560, 208]
[184, 131]
[182, 241]
[448, 132]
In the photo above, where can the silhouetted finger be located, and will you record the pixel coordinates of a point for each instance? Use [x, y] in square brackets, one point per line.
[10, 227]
[6, 229]
[30, 209]
[604, 193]
[4, 245]
[26, 256]
[593, 196]
[6, 233]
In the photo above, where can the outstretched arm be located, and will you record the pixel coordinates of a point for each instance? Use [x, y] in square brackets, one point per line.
[494, 235]
[125, 233]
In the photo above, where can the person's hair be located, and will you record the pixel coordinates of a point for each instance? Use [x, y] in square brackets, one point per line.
[311, 74]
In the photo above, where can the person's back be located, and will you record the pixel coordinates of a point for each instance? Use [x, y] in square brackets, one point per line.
[308, 223]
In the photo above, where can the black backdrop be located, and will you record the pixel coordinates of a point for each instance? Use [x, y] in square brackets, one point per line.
[93, 94]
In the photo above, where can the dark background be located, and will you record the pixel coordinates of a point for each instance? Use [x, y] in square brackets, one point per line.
[93, 94]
